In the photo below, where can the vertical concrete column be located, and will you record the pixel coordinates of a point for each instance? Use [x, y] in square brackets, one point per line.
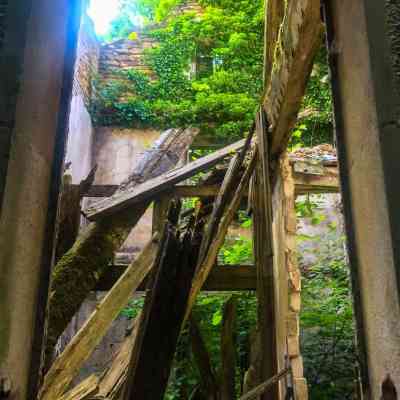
[368, 136]
[24, 223]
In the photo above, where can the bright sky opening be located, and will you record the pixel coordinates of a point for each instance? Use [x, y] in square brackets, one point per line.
[103, 12]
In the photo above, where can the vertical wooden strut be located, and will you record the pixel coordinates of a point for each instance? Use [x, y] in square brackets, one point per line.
[228, 351]
[162, 317]
[263, 252]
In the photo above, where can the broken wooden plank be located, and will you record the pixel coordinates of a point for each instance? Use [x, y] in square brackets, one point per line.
[163, 313]
[221, 278]
[68, 364]
[203, 271]
[78, 271]
[113, 380]
[275, 10]
[86, 388]
[294, 48]
[228, 351]
[305, 184]
[148, 189]
[208, 379]
[326, 183]
[225, 195]
[69, 217]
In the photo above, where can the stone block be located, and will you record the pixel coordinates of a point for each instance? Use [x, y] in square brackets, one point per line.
[293, 324]
[295, 301]
[297, 367]
[293, 344]
[295, 280]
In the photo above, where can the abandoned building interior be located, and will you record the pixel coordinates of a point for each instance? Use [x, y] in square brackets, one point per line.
[97, 216]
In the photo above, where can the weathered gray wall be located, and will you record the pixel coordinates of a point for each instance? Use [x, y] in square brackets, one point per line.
[116, 152]
[80, 139]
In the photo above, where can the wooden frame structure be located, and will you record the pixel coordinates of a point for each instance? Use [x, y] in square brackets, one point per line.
[366, 115]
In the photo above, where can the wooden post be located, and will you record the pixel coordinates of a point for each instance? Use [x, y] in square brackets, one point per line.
[263, 253]
[365, 81]
[228, 351]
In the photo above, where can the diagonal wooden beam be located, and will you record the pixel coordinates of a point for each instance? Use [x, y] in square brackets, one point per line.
[150, 188]
[68, 364]
[204, 269]
[298, 40]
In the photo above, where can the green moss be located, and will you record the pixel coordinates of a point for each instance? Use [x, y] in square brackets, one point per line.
[78, 271]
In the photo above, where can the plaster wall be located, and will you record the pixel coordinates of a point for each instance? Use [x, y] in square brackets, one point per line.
[368, 222]
[80, 138]
[116, 151]
[24, 214]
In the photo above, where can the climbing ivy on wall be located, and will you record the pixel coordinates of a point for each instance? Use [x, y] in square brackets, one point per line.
[225, 43]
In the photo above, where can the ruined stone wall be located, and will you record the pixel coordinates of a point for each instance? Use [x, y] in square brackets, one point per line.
[124, 54]
[116, 152]
[287, 279]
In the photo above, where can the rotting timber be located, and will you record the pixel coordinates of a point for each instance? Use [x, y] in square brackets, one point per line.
[295, 38]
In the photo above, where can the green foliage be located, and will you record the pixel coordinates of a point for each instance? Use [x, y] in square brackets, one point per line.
[226, 44]
[317, 126]
[327, 319]
[208, 313]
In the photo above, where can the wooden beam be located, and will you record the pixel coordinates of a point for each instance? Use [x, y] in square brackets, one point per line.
[294, 47]
[148, 189]
[263, 254]
[208, 378]
[221, 278]
[205, 268]
[163, 314]
[304, 183]
[228, 351]
[78, 271]
[68, 364]
[88, 387]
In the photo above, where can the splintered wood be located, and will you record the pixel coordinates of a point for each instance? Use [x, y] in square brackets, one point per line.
[67, 365]
[79, 270]
[188, 253]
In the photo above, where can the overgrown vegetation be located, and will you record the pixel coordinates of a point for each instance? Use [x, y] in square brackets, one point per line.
[207, 72]
[327, 324]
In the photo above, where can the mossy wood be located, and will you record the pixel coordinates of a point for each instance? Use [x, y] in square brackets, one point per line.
[79, 270]
[121, 200]
[67, 365]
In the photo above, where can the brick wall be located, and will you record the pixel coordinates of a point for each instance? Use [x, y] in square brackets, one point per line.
[87, 62]
[124, 54]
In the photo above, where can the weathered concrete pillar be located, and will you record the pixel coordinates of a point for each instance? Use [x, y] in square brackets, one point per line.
[364, 67]
[36, 138]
